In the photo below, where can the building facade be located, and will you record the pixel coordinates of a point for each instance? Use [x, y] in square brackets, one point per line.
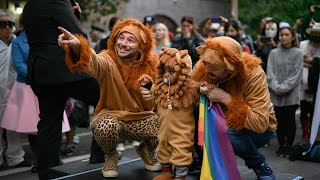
[170, 12]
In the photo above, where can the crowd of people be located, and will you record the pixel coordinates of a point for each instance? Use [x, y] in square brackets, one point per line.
[45, 84]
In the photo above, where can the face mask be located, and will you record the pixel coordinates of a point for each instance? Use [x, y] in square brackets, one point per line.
[236, 37]
[271, 30]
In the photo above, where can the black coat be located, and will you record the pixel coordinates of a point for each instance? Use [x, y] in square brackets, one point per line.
[46, 61]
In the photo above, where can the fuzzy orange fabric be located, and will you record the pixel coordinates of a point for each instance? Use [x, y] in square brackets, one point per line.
[132, 71]
[83, 63]
[182, 93]
[244, 63]
[164, 176]
[237, 113]
[118, 77]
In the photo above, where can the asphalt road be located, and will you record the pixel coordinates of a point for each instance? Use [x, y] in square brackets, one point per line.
[283, 167]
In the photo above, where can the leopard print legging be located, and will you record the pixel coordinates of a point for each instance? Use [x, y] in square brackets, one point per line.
[107, 130]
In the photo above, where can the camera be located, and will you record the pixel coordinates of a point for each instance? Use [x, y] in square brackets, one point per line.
[317, 7]
[216, 20]
[265, 39]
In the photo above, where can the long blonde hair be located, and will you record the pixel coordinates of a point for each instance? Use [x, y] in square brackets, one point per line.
[166, 40]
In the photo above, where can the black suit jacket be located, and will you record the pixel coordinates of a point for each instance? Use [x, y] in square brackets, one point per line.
[46, 61]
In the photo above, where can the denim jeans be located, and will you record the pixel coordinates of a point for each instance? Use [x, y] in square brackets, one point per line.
[246, 143]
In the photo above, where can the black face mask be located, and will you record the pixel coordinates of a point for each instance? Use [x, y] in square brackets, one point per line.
[236, 37]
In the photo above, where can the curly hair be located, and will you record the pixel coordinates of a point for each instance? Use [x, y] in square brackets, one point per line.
[183, 93]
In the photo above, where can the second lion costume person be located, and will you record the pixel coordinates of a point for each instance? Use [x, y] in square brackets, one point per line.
[174, 94]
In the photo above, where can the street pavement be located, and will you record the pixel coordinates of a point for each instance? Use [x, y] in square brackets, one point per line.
[284, 168]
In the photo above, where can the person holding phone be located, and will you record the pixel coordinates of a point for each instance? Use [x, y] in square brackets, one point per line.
[189, 38]
[122, 111]
[267, 41]
[233, 30]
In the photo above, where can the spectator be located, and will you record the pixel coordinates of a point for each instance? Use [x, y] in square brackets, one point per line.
[104, 41]
[14, 152]
[162, 36]
[150, 21]
[189, 38]
[285, 65]
[267, 41]
[310, 50]
[233, 29]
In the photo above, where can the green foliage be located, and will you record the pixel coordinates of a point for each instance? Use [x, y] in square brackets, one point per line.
[251, 12]
[100, 7]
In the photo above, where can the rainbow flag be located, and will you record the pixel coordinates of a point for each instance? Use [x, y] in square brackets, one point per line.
[218, 157]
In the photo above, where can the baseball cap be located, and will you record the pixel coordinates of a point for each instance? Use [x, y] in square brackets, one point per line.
[149, 20]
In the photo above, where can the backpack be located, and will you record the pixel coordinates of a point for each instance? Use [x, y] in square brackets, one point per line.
[298, 149]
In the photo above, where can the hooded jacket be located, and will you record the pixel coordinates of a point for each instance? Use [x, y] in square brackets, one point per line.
[120, 93]
[250, 107]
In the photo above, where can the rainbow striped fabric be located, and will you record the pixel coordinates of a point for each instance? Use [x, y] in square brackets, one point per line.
[218, 157]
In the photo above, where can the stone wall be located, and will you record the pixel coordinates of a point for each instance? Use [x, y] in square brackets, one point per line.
[174, 10]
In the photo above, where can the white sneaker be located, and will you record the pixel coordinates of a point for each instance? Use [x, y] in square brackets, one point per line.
[120, 147]
[110, 167]
[135, 143]
[76, 139]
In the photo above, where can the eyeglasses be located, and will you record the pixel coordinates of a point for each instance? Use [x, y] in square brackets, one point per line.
[4, 24]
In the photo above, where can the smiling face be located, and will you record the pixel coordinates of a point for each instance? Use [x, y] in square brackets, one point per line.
[127, 46]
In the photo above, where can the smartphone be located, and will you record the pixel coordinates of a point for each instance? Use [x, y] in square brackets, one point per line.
[216, 20]
[148, 86]
[265, 39]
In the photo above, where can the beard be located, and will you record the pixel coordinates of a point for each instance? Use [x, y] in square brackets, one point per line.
[126, 53]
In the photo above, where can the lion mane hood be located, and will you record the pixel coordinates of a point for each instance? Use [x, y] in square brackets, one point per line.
[143, 34]
[231, 54]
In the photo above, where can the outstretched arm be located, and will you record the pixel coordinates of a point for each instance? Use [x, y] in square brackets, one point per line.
[66, 38]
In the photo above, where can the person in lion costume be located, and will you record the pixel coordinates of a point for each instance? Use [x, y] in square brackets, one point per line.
[174, 94]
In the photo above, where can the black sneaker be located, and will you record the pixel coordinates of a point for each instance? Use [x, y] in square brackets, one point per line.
[94, 159]
[195, 167]
[286, 152]
[70, 149]
[24, 163]
[264, 172]
[280, 151]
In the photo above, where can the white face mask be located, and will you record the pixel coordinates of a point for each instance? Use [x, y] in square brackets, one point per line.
[271, 29]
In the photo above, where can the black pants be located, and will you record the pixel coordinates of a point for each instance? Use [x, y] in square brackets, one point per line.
[52, 101]
[286, 129]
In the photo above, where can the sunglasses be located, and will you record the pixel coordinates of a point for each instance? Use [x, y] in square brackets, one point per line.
[4, 24]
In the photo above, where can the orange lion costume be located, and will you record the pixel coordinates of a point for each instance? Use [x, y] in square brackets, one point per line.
[174, 94]
[121, 111]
